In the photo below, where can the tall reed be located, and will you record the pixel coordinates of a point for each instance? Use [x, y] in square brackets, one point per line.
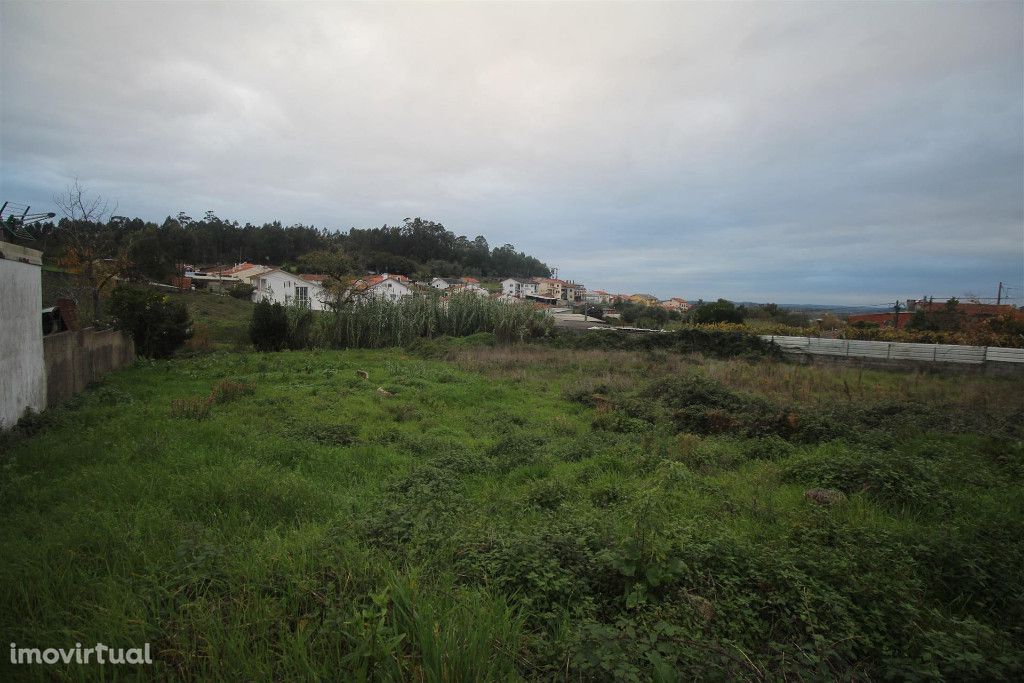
[378, 323]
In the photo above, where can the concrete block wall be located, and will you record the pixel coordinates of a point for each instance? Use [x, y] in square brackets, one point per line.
[77, 357]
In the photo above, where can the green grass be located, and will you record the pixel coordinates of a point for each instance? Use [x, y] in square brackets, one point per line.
[524, 512]
[219, 321]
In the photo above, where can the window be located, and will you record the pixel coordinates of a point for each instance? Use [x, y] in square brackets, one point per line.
[302, 296]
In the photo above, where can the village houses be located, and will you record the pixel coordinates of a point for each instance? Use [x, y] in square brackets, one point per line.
[676, 304]
[518, 287]
[385, 286]
[560, 290]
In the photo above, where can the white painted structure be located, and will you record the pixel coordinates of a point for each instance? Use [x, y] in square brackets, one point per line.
[277, 286]
[445, 282]
[518, 287]
[389, 288]
[468, 288]
[935, 353]
[22, 369]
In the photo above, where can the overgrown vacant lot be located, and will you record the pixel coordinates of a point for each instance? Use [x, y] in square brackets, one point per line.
[520, 513]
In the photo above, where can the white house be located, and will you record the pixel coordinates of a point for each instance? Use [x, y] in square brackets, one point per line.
[445, 282]
[278, 286]
[389, 287]
[468, 288]
[518, 287]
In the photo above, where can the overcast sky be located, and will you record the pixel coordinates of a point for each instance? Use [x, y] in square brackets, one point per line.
[796, 152]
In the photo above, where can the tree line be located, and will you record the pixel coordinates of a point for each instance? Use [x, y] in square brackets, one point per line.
[417, 248]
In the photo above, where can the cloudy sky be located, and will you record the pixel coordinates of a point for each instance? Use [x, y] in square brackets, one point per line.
[796, 152]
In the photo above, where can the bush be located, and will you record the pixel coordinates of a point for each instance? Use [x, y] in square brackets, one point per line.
[721, 311]
[158, 325]
[901, 479]
[241, 291]
[713, 342]
[268, 329]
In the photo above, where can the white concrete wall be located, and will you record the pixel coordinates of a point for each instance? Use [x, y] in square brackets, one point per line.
[22, 370]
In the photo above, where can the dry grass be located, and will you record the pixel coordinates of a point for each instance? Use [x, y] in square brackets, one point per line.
[780, 381]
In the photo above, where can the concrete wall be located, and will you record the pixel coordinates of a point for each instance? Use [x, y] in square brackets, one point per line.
[22, 373]
[76, 358]
[876, 354]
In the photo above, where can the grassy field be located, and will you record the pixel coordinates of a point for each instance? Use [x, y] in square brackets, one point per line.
[522, 512]
[218, 321]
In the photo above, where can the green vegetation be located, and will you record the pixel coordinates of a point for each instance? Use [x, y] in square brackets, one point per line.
[418, 247]
[378, 323]
[520, 512]
[219, 322]
[268, 329]
[720, 311]
[158, 325]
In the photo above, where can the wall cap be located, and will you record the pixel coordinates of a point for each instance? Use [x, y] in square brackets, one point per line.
[16, 252]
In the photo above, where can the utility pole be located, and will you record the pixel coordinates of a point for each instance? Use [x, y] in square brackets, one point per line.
[999, 294]
[896, 315]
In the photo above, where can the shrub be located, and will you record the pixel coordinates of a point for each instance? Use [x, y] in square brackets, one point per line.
[268, 329]
[158, 325]
[241, 291]
[703, 406]
[720, 311]
[722, 343]
[901, 479]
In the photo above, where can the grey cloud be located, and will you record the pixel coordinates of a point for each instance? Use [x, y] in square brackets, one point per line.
[795, 152]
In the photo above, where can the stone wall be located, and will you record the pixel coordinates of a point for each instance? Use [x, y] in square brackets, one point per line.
[76, 358]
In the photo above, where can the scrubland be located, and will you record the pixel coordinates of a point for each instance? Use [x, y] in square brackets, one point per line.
[472, 512]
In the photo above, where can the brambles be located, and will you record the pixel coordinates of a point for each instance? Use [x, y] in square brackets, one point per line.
[719, 343]
[476, 526]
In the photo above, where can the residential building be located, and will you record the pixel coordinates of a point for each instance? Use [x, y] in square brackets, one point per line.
[285, 288]
[518, 287]
[385, 286]
[676, 304]
[467, 288]
[445, 282]
[598, 296]
[561, 290]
